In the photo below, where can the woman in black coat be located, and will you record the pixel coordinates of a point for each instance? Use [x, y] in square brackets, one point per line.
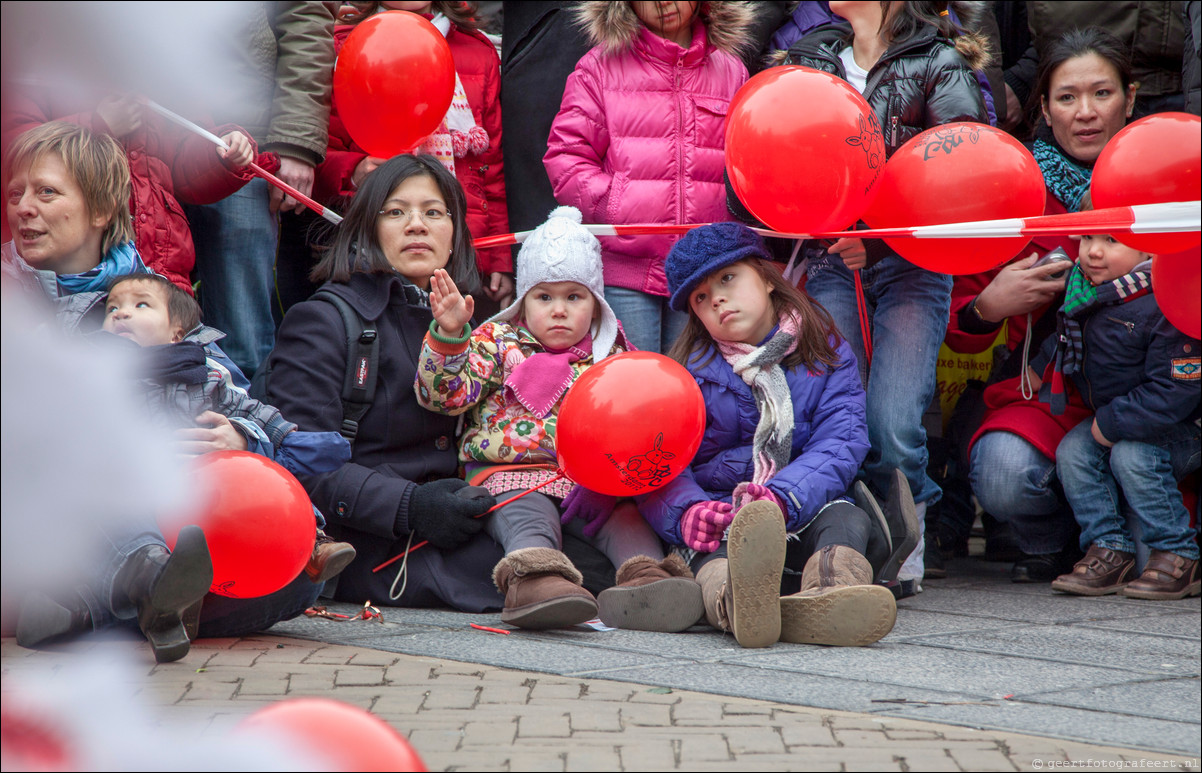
[400, 487]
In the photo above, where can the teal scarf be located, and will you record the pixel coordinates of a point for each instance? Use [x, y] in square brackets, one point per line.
[1067, 179]
[120, 260]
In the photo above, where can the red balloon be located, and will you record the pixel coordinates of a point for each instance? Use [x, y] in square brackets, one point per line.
[1153, 160]
[393, 82]
[1178, 289]
[347, 736]
[804, 151]
[257, 520]
[956, 173]
[630, 424]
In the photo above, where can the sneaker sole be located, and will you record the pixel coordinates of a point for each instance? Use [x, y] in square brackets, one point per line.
[850, 616]
[755, 550]
[552, 613]
[907, 526]
[668, 606]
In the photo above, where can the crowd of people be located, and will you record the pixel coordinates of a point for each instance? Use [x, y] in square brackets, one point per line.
[412, 383]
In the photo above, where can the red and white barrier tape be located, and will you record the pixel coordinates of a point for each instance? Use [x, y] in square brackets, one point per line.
[1171, 217]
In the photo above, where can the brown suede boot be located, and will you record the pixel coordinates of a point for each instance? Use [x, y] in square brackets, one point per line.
[652, 595]
[838, 604]
[1101, 572]
[542, 590]
[713, 579]
[1167, 576]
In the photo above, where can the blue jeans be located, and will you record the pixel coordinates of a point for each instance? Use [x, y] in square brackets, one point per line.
[221, 616]
[907, 309]
[647, 320]
[1102, 483]
[236, 241]
[1017, 484]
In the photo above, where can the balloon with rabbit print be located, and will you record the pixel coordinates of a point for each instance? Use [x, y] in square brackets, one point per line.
[630, 424]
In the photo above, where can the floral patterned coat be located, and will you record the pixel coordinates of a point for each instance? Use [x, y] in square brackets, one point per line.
[470, 378]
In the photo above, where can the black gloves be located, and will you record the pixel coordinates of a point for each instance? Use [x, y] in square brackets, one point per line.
[444, 512]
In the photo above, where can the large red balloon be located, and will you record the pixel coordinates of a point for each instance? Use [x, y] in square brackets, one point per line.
[257, 520]
[1152, 160]
[630, 424]
[956, 173]
[804, 151]
[348, 737]
[1178, 289]
[393, 82]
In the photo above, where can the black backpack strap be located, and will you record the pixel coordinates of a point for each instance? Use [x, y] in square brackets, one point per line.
[363, 358]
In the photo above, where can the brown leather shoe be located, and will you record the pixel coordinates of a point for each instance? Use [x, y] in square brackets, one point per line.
[1167, 576]
[652, 595]
[542, 590]
[328, 558]
[1101, 572]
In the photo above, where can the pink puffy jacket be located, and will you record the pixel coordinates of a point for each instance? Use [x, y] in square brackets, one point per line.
[639, 139]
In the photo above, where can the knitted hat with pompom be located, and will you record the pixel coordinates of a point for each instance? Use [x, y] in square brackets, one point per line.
[562, 250]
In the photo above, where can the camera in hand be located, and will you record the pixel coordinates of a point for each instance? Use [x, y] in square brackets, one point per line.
[1054, 256]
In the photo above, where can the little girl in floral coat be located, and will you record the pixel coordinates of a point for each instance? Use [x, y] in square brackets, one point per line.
[509, 377]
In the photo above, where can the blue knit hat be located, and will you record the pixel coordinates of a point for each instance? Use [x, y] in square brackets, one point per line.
[703, 251]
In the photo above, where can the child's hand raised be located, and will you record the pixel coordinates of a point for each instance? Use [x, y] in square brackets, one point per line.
[451, 309]
[241, 152]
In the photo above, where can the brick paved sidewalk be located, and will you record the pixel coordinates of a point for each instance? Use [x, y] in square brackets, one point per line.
[462, 716]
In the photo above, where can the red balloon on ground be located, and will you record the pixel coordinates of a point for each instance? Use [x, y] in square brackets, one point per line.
[393, 82]
[1153, 160]
[630, 424]
[804, 151]
[257, 519]
[1177, 286]
[955, 173]
[347, 736]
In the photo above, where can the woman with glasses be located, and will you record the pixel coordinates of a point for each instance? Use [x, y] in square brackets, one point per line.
[400, 487]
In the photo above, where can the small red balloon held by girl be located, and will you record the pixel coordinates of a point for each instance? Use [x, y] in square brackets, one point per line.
[630, 424]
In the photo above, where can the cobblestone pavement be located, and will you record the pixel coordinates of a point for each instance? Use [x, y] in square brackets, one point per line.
[464, 716]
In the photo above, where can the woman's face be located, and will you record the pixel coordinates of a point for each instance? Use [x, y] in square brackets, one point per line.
[50, 220]
[415, 230]
[1086, 106]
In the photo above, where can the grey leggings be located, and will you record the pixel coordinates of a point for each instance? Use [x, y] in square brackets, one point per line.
[533, 522]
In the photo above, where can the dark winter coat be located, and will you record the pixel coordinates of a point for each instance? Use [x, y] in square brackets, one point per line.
[922, 82]
[399, 445]
[830, 441]
[1139, 374]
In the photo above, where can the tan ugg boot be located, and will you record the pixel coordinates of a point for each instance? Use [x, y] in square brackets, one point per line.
[837, 604]
[542, 590]
[652, 595]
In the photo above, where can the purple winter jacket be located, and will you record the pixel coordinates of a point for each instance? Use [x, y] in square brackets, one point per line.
[639, 139]
[830, 441]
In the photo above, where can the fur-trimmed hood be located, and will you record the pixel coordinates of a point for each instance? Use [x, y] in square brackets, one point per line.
[614, 25]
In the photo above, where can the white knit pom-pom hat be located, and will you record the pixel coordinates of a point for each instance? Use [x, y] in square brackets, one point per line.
[561, 250]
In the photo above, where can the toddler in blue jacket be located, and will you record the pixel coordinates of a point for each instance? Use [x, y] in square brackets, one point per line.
[1140, 375]
[785, 434]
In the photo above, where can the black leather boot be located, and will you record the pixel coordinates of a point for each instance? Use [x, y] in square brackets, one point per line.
[167, 587]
